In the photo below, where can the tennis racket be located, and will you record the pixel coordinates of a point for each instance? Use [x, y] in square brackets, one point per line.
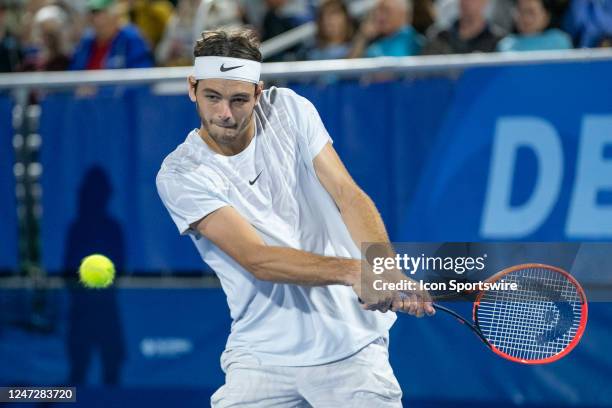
[538, 323]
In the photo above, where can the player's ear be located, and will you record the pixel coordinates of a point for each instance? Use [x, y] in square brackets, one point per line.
[258, 90]
[191, 83]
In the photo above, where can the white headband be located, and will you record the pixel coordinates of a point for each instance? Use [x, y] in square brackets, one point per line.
[236, 69]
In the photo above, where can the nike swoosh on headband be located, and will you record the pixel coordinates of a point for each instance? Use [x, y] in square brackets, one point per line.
[223, 69]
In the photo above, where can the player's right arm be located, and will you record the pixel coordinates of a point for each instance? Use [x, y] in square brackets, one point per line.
[229, 231]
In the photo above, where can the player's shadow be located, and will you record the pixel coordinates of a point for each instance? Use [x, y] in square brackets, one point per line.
[94, 327]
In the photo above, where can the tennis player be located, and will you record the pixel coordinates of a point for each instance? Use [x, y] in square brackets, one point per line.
[271, 208]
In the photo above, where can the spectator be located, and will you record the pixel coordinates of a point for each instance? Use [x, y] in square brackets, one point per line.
[533, 24]
[74, 12]
[214, 14]
[10, 52]
[254, 13]
[150, 16]
[589, 22]
[334, 32]
[498, 13]
[558, 10]
[108, 44]
[52, 40]
[278, 20]
[275, 22]
[387, 31]
[189, 19]
[25, 14]
[176, 45]
[297, 11]
[470, 33]
[423, 15]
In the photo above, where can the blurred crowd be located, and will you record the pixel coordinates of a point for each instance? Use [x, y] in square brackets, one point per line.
[55, 35]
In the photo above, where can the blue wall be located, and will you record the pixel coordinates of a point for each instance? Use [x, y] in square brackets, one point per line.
[518, 153]
[556, 122]
[424, 149]
[8, 210]
[100, 159]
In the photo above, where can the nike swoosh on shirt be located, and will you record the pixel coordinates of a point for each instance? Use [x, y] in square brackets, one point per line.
[253, 182]
[223, 69]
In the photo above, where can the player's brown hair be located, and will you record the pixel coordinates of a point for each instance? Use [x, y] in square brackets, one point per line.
[238, 43]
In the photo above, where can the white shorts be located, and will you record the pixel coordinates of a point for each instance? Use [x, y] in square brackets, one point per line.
[364, 379]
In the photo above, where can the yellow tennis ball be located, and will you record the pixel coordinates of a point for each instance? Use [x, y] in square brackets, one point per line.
[96, 271]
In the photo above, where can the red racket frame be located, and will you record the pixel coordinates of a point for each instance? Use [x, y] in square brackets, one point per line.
[583, 315]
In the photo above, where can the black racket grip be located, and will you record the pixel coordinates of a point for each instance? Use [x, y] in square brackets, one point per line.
[464, 321]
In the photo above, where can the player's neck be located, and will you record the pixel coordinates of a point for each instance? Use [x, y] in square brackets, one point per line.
[240, 144]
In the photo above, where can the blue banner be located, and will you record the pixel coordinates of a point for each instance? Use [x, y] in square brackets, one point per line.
[501, 153]
[8, 209]
[385, 133]
[523, 153]
[101, 156]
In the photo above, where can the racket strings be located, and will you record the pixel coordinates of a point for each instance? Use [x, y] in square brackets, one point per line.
[536, 321]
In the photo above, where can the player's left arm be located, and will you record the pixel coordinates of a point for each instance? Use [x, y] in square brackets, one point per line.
[358, 211]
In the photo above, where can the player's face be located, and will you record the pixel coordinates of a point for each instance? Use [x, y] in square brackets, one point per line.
[225, 108]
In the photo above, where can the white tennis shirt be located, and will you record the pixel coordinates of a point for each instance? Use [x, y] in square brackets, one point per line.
[273, 185]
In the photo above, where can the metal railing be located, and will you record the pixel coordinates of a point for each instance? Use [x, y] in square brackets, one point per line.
[345, 68]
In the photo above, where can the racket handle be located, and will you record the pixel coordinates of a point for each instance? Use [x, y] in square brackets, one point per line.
[450, 312]
[464, 321]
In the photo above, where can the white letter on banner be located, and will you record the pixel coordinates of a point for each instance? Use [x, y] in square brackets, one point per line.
[500, 220]
[593, 173]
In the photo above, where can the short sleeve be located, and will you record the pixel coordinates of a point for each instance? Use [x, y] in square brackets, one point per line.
[308, 122]
[188, 197]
